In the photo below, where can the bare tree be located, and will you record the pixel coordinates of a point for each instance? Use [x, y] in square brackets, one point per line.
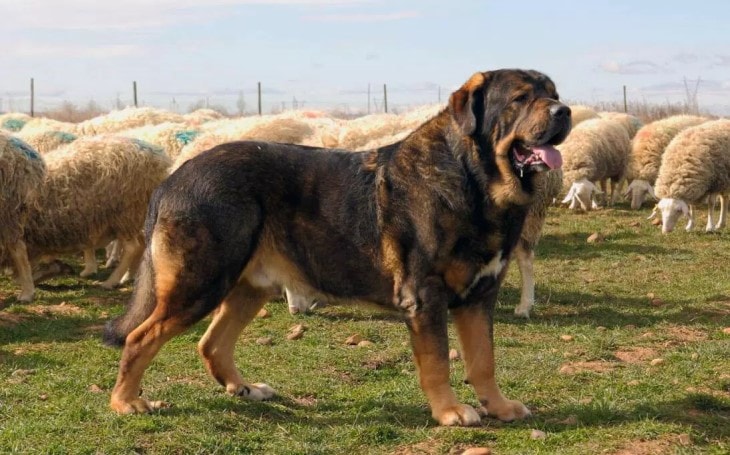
[690, 94]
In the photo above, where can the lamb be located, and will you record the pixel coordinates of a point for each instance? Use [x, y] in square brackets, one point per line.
[96, 189]
[695, 166]
[548, 186]
[596, 150]
[125, 119]
[21, 174]
[172, 137]
[45, 141]
[647, 148]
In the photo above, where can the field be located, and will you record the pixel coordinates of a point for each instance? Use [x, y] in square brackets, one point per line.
[605, 366]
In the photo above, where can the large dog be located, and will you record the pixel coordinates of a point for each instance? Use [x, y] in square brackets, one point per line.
[426, 225]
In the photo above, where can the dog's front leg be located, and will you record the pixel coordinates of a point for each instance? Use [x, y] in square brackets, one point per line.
[429, 338]
[474, 327]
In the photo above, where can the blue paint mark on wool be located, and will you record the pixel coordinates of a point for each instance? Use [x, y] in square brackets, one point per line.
[27, 150]
[147, 147]
[65, 137]
[186, 137]
[14, 124]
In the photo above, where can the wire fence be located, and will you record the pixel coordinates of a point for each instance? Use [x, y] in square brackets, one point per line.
[346, 102]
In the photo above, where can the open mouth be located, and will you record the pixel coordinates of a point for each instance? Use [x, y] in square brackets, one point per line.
[537, 157]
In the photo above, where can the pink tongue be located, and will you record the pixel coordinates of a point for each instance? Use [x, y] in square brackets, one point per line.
[549, 155]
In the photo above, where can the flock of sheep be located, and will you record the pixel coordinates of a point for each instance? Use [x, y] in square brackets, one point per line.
[70, 188]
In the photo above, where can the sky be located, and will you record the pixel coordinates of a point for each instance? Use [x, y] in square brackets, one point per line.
[323, 54]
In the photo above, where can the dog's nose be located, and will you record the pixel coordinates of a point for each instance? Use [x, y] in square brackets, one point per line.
[559, 111]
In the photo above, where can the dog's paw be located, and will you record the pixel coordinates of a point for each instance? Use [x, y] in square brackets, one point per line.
[255, 392]
[137, 406]
[507, 410]
[459, 415]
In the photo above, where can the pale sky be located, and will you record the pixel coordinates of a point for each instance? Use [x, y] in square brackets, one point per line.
[324, 53]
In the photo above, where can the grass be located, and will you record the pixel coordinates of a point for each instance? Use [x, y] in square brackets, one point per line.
[596, 393]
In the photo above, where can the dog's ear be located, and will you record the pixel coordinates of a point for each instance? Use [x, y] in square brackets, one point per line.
[462, 103]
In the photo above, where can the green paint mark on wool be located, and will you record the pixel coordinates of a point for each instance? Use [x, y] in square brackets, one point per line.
[27, 150]
[14, 124]
[186, 137]
[147, 147]
[65, 137]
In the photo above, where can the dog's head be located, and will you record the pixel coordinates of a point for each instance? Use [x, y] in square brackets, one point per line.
[516, 114]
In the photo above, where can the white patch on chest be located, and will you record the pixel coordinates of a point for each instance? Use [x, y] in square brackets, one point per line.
[493, 268]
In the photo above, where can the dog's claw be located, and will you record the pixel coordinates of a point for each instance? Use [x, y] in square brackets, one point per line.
[507, 410]
[459, 415]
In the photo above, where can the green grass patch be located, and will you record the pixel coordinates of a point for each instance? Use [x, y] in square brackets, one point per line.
[597, 393]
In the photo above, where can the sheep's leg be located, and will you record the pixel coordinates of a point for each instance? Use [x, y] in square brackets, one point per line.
[691, 216]
[297, 303]
[723, 213]
[711, 199]
[24, 273]
[90, 266]
[525, 259]
[113, 253]
[604, 188]
[132, 251]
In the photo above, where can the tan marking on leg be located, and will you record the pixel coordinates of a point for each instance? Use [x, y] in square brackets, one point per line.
[475, 335]
[431, 358]
[218, 344]
[19, 255]
[143, 343]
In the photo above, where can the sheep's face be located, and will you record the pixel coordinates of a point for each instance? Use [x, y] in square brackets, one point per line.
[581, 194]
[671, 210]
[517, 114]
[639, 191]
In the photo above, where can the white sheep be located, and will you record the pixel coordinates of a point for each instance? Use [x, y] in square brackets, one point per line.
[203, 115]
[596, 150]
[45, 141]
[632, 123]
[125, 119]
[647, 148]
[96, 190]
[21, 174]
[580, 113]
[694, 167]
[13, 121]
[172, 137]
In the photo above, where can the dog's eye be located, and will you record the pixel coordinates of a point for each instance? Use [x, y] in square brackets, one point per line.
[520, 99]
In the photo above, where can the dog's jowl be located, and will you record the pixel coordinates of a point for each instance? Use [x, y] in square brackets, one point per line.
[426, 225]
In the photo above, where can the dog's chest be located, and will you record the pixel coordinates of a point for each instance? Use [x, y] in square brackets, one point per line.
[463, 276]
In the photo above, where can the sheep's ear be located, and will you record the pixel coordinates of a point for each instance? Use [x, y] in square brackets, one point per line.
[653, 212]
[683, 206]
[464, 103]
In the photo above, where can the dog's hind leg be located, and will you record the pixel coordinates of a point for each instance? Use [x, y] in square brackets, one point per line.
[474, 328]
[218, 344]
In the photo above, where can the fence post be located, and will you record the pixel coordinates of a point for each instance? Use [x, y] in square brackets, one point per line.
[385, 97]
[368, 99]
[626, 105]
[32, 97]
[134, 92]
[259, 98]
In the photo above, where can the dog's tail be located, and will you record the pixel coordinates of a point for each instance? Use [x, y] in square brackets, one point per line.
[139, 308]
[143, 299]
